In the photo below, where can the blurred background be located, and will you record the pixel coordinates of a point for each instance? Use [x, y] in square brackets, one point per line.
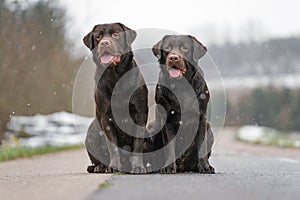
[255, 44]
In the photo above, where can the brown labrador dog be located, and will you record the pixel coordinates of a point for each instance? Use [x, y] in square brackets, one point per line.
[178, 57]
[111, 48]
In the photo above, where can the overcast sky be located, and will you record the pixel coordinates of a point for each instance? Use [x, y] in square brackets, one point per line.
[212, 20]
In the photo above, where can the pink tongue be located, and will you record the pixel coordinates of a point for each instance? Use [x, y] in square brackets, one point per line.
[105, 59]
[174, 72]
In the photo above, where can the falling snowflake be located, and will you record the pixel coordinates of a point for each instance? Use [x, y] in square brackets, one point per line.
[202, 96]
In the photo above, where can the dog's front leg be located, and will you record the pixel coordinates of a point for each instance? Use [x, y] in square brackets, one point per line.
[202, 143]
[96, 147]
[169, 142]
[136, 160]
[112, 145]
[114, 155]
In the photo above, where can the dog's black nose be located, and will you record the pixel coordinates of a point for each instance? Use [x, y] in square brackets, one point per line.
[105, 43]
[174, 58]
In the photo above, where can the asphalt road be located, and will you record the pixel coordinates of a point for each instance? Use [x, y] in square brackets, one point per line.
[239, 177]
[243, 172]
[53, 176]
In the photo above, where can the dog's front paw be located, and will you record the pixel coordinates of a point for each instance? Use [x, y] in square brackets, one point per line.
[138, 170]
[137, 165]
[114, 166]
[205, 168]
[101, 168]
[111, 170]
[212, 169]
[171, 169]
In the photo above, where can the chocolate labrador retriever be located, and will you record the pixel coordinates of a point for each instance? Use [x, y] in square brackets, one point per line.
[111, 48]
[178, 57]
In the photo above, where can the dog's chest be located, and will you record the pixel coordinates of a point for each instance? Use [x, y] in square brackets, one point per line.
[182, 94]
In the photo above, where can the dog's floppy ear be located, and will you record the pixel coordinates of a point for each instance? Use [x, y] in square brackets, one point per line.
[156, 49]
[199, 49]
[130, 34]
[88, 40]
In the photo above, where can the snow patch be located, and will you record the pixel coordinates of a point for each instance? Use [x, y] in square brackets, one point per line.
[268, 136]
[253, 133]
[59, 128]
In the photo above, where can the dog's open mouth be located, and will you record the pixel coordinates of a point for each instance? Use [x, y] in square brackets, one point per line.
[107, 58]
[175, 72]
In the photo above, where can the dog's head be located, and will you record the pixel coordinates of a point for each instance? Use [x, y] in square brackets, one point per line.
[179, 54]
[109, 42]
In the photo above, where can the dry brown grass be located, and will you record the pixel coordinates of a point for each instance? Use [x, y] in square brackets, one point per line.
[36, 69]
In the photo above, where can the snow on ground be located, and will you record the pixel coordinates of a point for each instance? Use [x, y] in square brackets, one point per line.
[63, 128]
[254, 133]
[268, 136]
[257, 81]
[59, 128]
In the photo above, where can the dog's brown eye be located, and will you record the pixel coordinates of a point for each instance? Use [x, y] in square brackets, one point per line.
[98, 37]
[115, 35]
[167, 48]
[183, 48]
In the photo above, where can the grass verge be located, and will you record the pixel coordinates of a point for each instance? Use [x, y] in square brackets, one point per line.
[105, 184]
[10, 152]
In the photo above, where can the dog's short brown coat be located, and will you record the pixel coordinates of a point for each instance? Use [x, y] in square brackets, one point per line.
[178, 57]
[111, 48]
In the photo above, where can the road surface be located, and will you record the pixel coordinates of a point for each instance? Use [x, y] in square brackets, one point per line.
[52, 176]
[246, 177]
[243, 172]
